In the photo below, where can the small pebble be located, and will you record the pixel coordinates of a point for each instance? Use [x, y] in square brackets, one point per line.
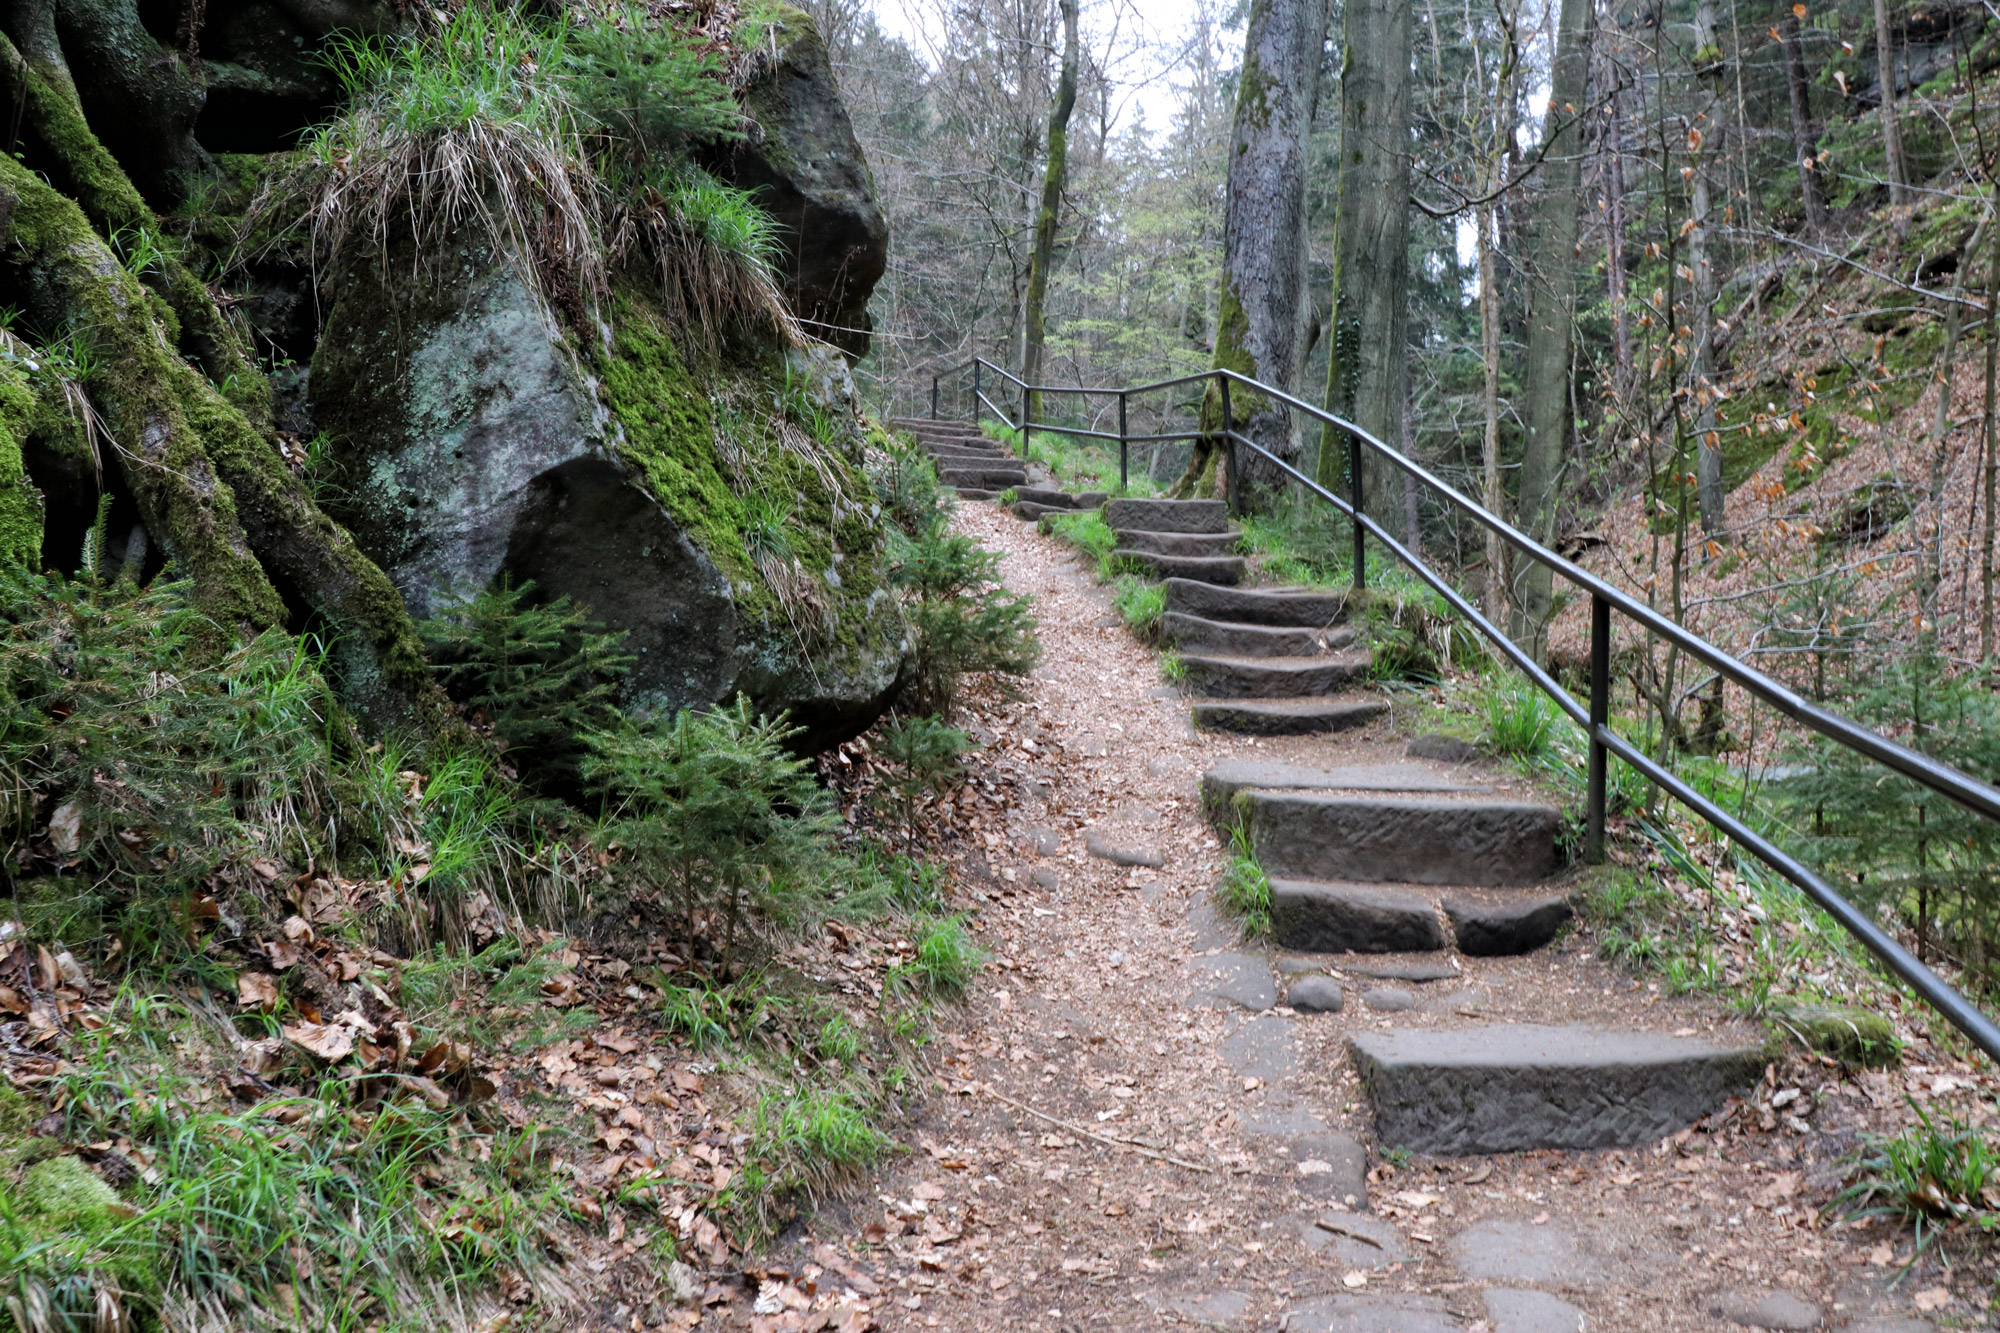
[1315, 995]
[1389, 999]
[1116, 958]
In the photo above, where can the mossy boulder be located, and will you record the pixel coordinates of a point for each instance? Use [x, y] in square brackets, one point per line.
[1858, 1038]
[475, 441]
[806, 168]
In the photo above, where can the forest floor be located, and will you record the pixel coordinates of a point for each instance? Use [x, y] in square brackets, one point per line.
[1129, 1130]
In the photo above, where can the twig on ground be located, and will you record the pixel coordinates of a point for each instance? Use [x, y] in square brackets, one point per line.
[1110, 1139]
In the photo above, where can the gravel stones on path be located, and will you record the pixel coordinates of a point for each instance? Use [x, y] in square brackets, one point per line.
[1510, 1310]
[1767, 1309]
[1315, 995]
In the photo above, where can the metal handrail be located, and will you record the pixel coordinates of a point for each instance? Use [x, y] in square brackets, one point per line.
[1594, 717]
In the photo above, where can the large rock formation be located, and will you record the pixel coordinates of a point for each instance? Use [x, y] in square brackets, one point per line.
[808, 171]
[475, 444]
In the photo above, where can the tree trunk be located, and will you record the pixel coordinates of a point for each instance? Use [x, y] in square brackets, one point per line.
[1989, 462]
[1262, 325]
[1614, 258]
[1804, 137]
[1706, 138]
[1551, 315]
[1492, 495]
[1366, 368]
[1892, 132]
[212, 492]
[1045, 220]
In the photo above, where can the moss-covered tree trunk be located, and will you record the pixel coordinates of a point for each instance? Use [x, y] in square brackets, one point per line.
[1545, 373]
[1371, 265]
[1263, 311]
[1032, 330]
[184, 409]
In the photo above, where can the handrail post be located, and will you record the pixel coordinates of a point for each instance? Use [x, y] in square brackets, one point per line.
[977, 397]
[1600, 715]
[1228, 446]
[1024, 421]
[934, 393]
[1124, 449]
[1354, 498]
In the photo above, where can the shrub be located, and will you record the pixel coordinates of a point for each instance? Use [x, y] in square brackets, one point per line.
[714, 808]
[907, 487]
[540, 675]
[920, 754]
[965, 621]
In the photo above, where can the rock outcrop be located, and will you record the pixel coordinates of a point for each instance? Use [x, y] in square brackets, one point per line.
[807, 170]
[475, 444]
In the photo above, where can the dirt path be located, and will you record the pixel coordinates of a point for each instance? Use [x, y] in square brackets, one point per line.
[1133, 1132]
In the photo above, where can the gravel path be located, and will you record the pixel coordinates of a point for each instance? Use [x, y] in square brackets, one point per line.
[1133, 1132]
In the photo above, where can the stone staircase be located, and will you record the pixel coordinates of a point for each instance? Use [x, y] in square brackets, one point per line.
[967, 461]
[1399, 859]
[979, 469]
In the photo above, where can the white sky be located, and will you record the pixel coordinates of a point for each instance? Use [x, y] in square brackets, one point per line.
[1144, 82]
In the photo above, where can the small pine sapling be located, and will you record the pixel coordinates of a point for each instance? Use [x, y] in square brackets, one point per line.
[540, 674]
[966, 622]
[711, 806]
[920, 754]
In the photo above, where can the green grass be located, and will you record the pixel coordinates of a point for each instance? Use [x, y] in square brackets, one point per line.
[1142, 603]
[1172, 669]
[1085, 530]
[944, 959]
[1244, 892]
[304, 1210]
[1936, 1172]
[805, 1141]
[1521, 721]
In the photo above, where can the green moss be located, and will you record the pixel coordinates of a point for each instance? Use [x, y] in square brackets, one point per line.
[676, 420]
[1858, 1038]
[17, 1115]
[21, 504]
[670, 435]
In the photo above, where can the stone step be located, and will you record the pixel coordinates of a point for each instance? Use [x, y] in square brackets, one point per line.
[1494, 925]
[1337, 916]
[1029, 511]
[1286, 717]
[1233, 640]
[1043, 495]
[1092, 499]
[1197, 568]
[1522, 1087]
[1179, 543]
[1476, 841]
[1246, 606]
[974, 493]
[1220, 784]
[993, 478]
[1315, 916]
[1273, 677]
[929, 425]
[960, 457]
[1167, 515]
